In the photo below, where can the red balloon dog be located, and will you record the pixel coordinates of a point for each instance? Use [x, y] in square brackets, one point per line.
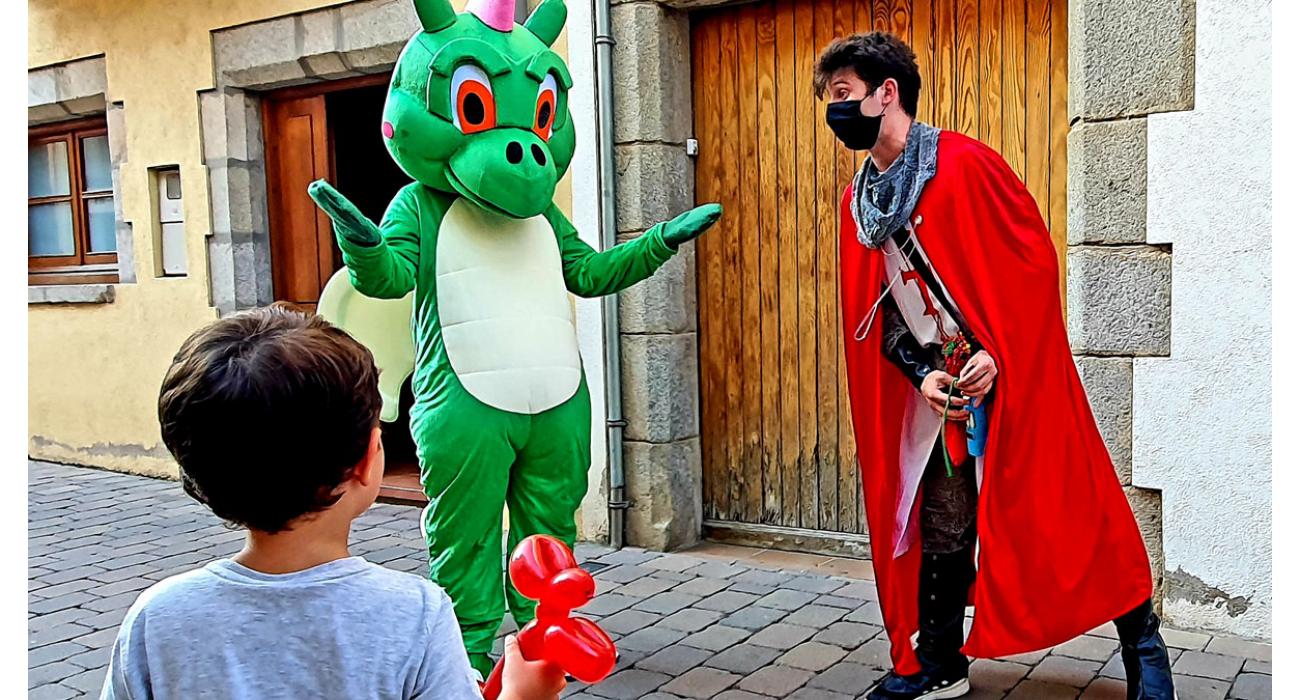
[543, 569]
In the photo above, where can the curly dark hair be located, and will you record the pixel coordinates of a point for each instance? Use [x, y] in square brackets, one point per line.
[266, 412]
[875, 57]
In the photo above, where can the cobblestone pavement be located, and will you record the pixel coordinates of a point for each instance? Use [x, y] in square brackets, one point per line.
[716, 622]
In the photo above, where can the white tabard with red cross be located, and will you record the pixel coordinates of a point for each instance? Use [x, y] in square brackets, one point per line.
[925, 316]
[929, 322]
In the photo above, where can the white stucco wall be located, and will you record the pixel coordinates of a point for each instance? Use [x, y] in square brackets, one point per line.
[593, 516]
[1201, 418]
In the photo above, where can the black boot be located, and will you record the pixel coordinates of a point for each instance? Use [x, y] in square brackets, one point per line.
[945, 671]
[1146, 660]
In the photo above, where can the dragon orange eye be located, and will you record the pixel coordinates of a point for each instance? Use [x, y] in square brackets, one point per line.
[471, 94]
[544, 114]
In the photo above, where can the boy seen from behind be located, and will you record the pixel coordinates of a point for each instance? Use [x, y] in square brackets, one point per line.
[273, 416]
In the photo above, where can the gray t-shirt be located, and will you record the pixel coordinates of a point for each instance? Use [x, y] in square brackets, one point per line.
[347, 629]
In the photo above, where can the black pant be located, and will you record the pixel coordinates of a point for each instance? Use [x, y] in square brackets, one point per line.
[948, 505]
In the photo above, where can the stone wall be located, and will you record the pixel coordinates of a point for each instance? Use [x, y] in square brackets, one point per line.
[337, 42]
[655, 181]
[1128, 59]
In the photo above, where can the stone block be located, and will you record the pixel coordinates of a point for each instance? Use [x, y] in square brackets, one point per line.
[81, 79]
[221, 272]
[373, 33]
[41, 87]
[1119, 300]
[628, 621]
[663, 486]
[1131, 57]
[727, 601]
[1148, 510]
[651, 639]
[258, 55]
[717, 637]
[869, 614]
[812, 656]
[116, 122]
[691, 619]
[776, 681]
[1232, 646]
[1182, 639]
[231, 186]
[1199, 663]
[666, 603]
[753, 618]
[819, 616]
[85, 106]
[320, 38]
[46, 113]
[849, 635]
[665, 303]
[1107, 182]
[655, 182]
[1041, 690]
[703, 586]
[786, 599]
[651, 100]
[782, 636]
[647, 586]
[1253, 686]
[231, 123]
[1087, 648]
[660, 387]
[1065, 671]
[631, 683]
[71, 294]
[996, 675]
[848, 678]
[744, 658]
[701, 683]
[1109, 383]
[1194, 688]
[674, 660]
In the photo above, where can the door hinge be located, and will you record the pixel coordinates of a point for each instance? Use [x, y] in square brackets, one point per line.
[692, 147]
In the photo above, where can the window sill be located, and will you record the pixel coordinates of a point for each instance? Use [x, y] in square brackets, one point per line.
[71, 294]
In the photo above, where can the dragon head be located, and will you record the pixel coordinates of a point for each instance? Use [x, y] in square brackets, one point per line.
[478, 105]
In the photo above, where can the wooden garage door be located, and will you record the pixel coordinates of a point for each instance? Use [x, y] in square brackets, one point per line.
[777, 442]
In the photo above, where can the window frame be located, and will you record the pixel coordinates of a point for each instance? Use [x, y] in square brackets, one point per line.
[82, 266]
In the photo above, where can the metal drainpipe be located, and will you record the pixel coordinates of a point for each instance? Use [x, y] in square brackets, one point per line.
[614, 422]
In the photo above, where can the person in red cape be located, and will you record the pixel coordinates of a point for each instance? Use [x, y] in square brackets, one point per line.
[952, 308]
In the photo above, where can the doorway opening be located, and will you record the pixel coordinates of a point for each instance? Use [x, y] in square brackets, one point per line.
[331, 131]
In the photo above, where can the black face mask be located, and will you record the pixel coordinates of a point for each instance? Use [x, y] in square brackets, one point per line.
[851, 127]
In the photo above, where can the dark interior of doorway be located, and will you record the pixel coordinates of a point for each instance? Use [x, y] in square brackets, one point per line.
[366, 175]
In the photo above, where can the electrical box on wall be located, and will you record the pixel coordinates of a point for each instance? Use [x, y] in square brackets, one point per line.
[169, 216]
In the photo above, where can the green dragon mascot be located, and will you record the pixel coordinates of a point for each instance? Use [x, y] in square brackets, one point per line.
[465, 283]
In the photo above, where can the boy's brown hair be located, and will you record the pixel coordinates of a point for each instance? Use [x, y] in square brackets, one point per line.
[267, 411]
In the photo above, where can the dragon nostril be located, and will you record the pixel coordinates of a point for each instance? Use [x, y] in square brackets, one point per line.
[539, 155]
[514, 153]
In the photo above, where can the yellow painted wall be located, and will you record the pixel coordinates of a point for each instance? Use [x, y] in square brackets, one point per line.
[94, 370]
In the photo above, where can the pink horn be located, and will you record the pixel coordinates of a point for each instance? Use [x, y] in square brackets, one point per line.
[497, 14]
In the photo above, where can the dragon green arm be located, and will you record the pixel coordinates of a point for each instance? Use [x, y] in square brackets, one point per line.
[382, 263]
[588, 273]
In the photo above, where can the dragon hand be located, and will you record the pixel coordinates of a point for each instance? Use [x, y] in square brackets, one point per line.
[349, 223]
[689, 225]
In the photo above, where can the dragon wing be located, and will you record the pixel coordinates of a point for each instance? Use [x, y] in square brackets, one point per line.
[382, 325]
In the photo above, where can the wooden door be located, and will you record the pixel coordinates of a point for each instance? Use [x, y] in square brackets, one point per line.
[779, 459]
[303, 253]
[300, 126]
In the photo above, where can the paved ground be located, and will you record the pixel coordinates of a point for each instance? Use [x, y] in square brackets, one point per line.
[718, 622]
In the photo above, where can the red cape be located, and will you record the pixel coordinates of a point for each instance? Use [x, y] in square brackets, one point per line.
[1059, 549]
